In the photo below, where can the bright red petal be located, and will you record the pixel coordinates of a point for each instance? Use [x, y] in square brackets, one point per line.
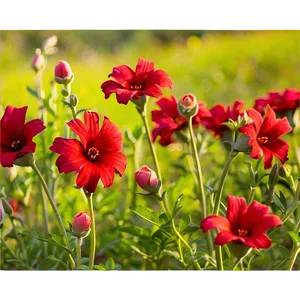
[169, 106]
[32, 128]
[108, 87]
[12, 123]
[258, 241]
[152, 91]
[253, 215]
[268, 157]
[122, 74]
[225, 237]
[123, 96]
[267, 222]
[81, 130]
[281, 127]
[91, 120]
[143, 68]
[279, 148]
[256, 118]
[213, 221]
[236, 207]
[249, 130]
[116, 160]
[160, 78]
[88, 177]
[7, 158]
[268, 123]
[109, 138]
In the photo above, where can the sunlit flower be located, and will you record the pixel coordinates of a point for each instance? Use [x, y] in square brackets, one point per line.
[147, 179]
[81, 222]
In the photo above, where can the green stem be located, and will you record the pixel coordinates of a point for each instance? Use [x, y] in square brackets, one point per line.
[252, 194]
[89, 197]
[54, 208]
[235, 263]
[199, 171]
[78, 248]
[20, 240]
[295, 146]
[219, 258]
[293, 258]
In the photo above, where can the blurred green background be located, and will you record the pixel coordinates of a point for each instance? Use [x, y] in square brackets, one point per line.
[216, 66]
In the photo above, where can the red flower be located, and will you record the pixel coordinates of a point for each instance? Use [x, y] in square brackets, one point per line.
[16, 136]
[97, 156]
[246, 225]
[146, 178]
[289, 99]
[169, 120]
[264, 136]
[128, 84]
[221, 114]
[81, 222]
[63, 70]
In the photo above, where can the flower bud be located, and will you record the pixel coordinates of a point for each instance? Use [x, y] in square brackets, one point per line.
[242, 144]
[63, 73]
[1, 213]
[284, 172]
[81, 224]
[188, 106]
[273, 177]
[73, 99]
[7, 207]
[38, 62]
[147, 179]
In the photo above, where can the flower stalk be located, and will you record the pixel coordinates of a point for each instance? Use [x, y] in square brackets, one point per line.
[78, 248]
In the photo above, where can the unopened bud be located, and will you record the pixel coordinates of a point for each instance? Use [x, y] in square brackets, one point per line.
[242, 144]
[188, 106]
[81, 224]
[65, 92]
[147, 180]
[284, 172]
[7, 207]
[73, 99]
[63, 73]
[38, 62]
[273, 177]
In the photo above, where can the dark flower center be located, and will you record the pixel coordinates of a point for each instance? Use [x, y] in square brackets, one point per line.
[262, 139]
[242, 232]
[92, 153]
[16, 146]
[136, 87]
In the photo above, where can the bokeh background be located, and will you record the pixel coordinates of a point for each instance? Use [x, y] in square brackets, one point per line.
[216, 66]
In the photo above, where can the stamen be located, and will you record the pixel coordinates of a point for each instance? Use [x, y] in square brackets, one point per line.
[262, 139]
[92, 153]
[242, 232]
[16, 145]
[136, 87]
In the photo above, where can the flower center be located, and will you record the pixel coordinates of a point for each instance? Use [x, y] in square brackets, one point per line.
[135, 87]
[92, 153]
[16, 145]
[242, 232]
[262, 139]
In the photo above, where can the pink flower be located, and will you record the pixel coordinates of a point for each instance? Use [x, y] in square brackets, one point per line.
[146, 178]
[38, 62]
[63, 73]
[81, 222]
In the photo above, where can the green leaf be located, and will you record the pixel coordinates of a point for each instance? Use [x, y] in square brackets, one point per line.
[278, 203]
[53, 258]
[294, 236]
[32, 91]
[100, 267]
[146, 213]
[174, 254]
[163, 219]
[184, 222]
[110, 264]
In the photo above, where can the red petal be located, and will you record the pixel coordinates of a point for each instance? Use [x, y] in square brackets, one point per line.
[81, 130]
[12, 124]
[122, 74]
[213, 221]
[236, 207]
[253, 215]
[268, 123]
[160, 78]
[91, 120]
[258, 241]
[66, 146]
[123, 96]
[267, 222]
[7, 158]
[225, 237]
[249, 130]
[32, 128]
[109, 138]
[67, 164]
[169, 106]
[281, 127]
[108, 87]
[279, 148]
[88, 177]
[116, 160]
[152, 91]
[143, 68]
[268, 157]
[256, 118]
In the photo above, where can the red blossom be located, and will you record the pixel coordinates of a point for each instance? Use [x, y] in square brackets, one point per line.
[246, 225]
[264, 136]
[63, 70]
[168, 120]
[128, 84]
[289, 99]
[221, 114]
[16, 136]
[81, 222]
[96, 156]
[145, 178]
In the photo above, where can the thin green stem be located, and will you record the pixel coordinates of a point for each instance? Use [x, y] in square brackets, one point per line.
[236, 262]
[252, 194]
[199, 171]
[19, 239]
[78, 248]
[54, 208]
[296, 149]
[89, 197]
[219, 258]
[294, 254]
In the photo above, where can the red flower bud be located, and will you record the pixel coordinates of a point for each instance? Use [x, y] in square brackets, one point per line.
[81, 222]
[63, 73]
[38, 62]
[188, 106]
[147, 179]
